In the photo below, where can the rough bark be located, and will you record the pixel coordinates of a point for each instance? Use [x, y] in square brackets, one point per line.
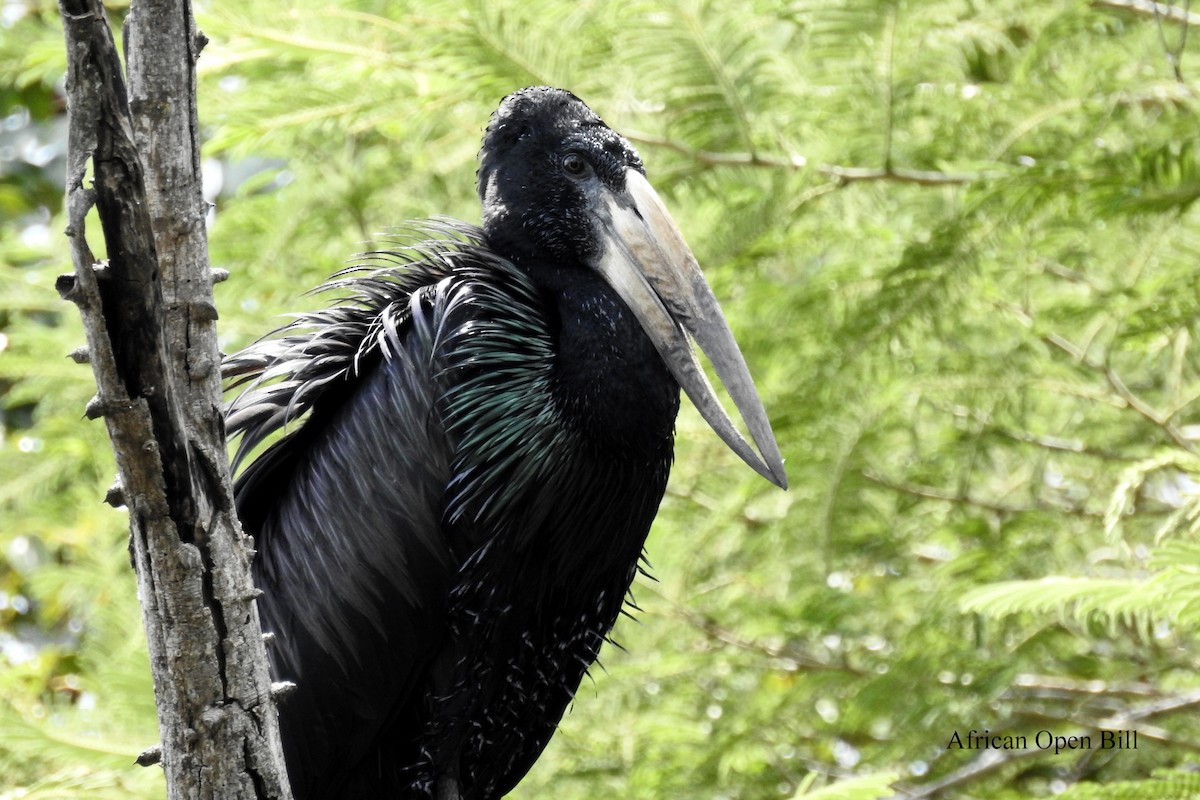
[149, 318]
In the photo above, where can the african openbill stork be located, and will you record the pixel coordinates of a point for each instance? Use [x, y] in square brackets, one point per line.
[448, 537]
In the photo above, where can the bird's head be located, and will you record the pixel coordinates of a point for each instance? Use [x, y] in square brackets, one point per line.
[559, 185]
[545, 161]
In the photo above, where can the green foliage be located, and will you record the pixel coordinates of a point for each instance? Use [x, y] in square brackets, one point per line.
[958, 243]
[865, 787]
[1165, 785]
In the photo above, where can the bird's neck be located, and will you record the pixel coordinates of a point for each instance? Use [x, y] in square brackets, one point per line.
[609, 378]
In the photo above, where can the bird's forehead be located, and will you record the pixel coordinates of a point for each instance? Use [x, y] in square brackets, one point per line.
[549, 119]
[553, 128]
[542, 105]
[599, 137]
[542, 115]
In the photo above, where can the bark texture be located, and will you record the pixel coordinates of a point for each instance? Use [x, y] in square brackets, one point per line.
[150, 323]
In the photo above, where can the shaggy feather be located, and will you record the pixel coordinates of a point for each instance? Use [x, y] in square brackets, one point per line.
[443, 542]
[450, 474]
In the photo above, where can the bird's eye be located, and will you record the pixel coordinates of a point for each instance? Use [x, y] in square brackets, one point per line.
[576, 166]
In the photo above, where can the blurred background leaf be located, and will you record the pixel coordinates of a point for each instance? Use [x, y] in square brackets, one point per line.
[958, 243]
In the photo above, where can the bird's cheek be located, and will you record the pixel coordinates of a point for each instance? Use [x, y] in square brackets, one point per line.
[563, 233]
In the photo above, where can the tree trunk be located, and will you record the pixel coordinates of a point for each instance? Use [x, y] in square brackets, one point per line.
[149, 318]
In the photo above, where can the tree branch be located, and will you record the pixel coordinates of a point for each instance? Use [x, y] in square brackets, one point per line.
[935, 493]
[148, 316]
[1044, 441]
[1055, 443]
[798, 162]
[990, 760]
[792, 655]
[1147, 8]
[1130, 400]
[1026, 684]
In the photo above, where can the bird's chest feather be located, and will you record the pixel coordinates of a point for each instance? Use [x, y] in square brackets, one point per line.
[562, 417]
[609, 382]
[563, 446]
[555, 400]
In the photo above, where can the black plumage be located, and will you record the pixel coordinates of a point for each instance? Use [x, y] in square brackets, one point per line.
[483, 429]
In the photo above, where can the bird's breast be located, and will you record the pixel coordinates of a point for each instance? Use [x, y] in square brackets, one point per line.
[610, 382]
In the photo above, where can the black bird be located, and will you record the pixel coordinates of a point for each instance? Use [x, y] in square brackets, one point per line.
[447, 537]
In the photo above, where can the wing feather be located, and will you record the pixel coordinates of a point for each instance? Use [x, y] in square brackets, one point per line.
[347, 505]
